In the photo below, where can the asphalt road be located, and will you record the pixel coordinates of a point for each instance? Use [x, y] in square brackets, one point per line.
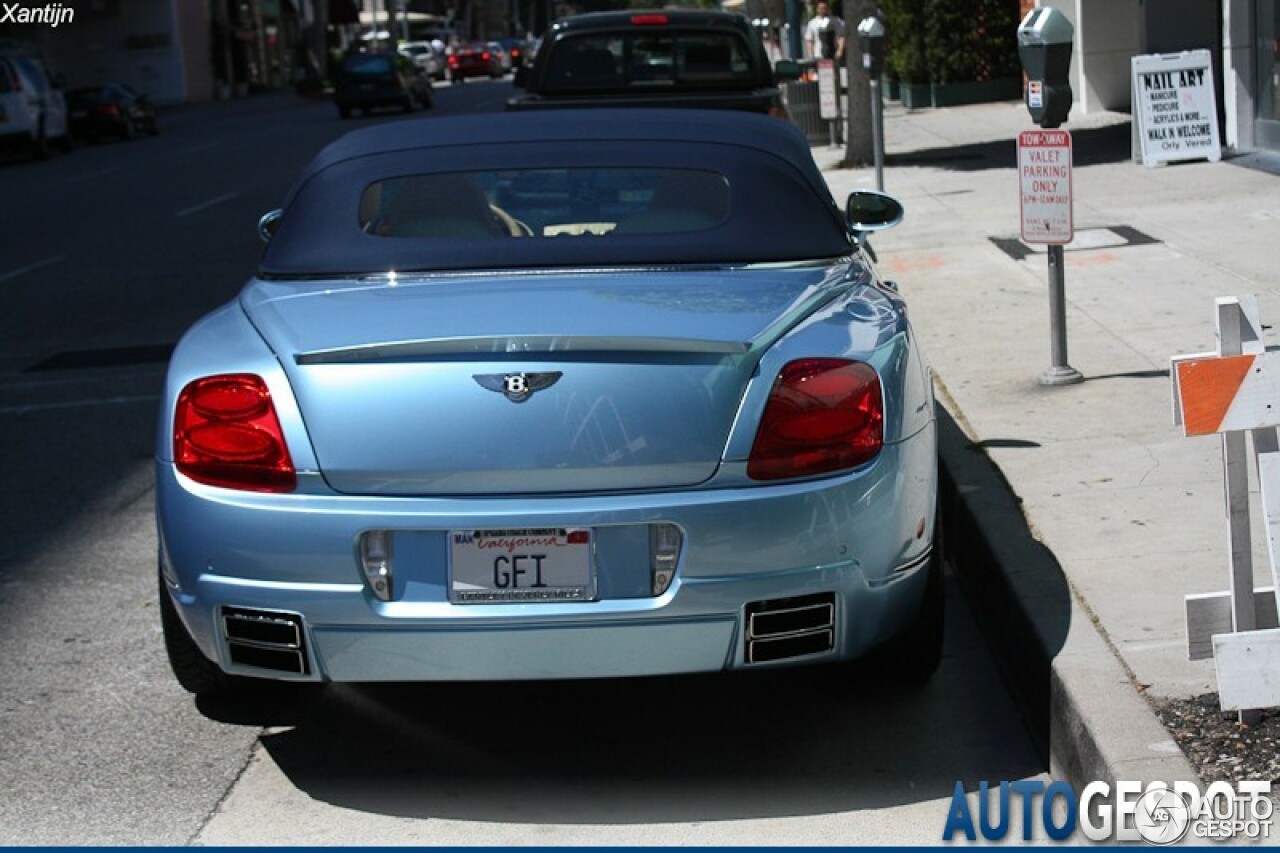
[107, 255]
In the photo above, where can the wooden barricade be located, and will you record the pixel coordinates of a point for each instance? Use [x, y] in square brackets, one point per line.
[1236, 392]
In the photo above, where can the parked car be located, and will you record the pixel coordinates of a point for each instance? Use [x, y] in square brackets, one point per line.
[426, 57]
[33, 112]
[478, 59]
[552, 395]
[367, 81]
[111, 110]
[655, 58]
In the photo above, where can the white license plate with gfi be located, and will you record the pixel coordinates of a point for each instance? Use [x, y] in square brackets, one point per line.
[509, 566]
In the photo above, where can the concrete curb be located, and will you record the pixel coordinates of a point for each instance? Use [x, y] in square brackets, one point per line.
[1081, 705]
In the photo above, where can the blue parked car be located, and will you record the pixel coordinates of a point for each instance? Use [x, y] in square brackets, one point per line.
[552, 395]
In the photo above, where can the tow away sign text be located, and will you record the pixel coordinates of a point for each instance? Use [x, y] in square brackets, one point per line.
[1044, 177]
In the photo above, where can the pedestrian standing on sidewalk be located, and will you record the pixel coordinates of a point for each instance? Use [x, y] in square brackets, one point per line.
[825, 34]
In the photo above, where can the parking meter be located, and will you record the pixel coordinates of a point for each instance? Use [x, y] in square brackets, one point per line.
[871, 35]
[1044, 46]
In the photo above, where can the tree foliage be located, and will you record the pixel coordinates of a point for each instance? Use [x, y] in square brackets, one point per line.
[949, 41]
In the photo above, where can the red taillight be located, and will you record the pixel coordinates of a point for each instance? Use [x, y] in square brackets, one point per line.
[823, 415]
[649, 20]
[485, 56]
[226, 433]
[453, 61]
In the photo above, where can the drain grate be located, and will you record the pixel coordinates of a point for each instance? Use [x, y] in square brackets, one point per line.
[1086, 239]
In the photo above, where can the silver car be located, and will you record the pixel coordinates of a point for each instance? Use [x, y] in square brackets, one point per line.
[33, 112]
[426, 57]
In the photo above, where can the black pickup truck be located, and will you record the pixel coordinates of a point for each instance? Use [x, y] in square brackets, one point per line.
[659, 58]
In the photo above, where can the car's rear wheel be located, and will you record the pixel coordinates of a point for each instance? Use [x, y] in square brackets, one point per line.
[40, 144]
[195, 672]
[913, 656]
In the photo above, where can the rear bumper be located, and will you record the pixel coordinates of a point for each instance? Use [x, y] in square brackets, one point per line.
[474, 71]
[850, 540]
[375, 98]
[700, 628]
[12, 140]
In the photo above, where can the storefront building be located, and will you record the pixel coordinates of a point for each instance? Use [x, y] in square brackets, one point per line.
[1242, 35]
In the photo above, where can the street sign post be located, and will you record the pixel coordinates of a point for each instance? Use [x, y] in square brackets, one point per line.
[829, 97]
[828, 105]
[1045, 203]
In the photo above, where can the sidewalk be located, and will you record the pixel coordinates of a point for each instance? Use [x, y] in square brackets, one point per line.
[1130, 512]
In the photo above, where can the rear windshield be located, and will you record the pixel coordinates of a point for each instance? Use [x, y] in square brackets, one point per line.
[650, 59]
[367, 64]
[545, 203]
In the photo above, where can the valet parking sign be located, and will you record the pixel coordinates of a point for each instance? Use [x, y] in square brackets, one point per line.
[1044, 176]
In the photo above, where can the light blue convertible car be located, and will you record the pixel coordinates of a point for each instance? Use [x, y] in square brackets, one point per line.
[552, 395]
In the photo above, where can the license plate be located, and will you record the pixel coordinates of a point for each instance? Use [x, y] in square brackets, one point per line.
[538, 565]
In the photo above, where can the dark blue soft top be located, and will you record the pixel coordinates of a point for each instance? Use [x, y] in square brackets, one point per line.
[781, 207]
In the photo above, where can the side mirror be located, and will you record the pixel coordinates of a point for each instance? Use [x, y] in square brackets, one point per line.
[268, 224]
[868, 210]
[785, 70]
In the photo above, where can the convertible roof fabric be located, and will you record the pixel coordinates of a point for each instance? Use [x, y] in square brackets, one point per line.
[781, 210]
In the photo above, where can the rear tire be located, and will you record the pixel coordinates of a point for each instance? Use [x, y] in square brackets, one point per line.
[195, 672]
[913, 656]
[40, 144]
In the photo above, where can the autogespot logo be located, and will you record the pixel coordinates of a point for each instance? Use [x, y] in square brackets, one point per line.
[1157, 813]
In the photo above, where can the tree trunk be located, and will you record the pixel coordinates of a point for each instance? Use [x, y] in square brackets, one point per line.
[859, 146]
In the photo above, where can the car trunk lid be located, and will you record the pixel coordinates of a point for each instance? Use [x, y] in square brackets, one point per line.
[525, 384]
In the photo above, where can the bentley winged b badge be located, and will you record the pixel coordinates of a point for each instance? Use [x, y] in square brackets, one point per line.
[517, 387]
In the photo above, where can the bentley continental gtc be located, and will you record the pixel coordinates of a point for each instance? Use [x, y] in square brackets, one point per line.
[571, 394]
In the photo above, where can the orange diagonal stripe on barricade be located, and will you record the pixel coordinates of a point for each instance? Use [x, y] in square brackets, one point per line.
[1208, 388]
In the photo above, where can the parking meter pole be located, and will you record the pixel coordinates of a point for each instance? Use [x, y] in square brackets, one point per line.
[1060, 372]
[871, 36]
[877, 131]
[1044, 48]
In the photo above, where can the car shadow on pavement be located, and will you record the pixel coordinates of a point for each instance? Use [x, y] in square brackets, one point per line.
[804, 741]
[1014, 583]
[1089, 147]
[720, 747]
